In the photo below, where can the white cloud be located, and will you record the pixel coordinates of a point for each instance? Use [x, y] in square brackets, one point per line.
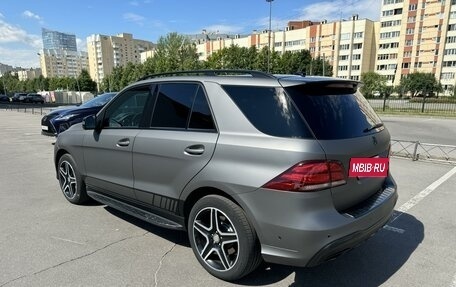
[276, 24]
[25, 58]
[14, 34]
[135, 18]
[82, 44]
[17, 47]
[134, 3]
[337, 9]
[29, 14]
[1, 15]
[224, 29]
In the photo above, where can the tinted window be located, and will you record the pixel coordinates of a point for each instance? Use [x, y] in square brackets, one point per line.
[334, 111]
[98, 101]
[201, 114]
[269, 110]
[174, 102]
[127, 109]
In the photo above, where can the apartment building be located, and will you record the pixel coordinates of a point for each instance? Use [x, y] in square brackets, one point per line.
[28, 74]
[417, 36]
[107, 52]
[62, 63]
[54, 40]
[59, 56]
[349, 45]
[5, 68]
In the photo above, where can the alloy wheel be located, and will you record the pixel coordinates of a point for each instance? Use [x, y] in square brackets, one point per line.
[67, 179]
[216, 239]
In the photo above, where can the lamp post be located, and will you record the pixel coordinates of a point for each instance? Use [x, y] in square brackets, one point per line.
[41, 82]
[79, 90]
[269, 35]
[324, 59]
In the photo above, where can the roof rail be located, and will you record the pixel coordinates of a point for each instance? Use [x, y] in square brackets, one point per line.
[213, 73]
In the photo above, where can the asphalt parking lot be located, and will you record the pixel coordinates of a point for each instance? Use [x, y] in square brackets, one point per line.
[46, 241]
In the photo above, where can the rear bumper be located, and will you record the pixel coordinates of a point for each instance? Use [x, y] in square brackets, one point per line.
[341, 245]
[304, 229]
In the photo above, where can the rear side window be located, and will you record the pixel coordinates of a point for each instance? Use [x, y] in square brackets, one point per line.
[201, 117]
[269, 110]
[334, 111]
[182, 106]
[173, 106]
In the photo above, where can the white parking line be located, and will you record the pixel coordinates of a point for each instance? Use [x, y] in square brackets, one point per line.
[394, 229]
[420, 196]
[67, 240]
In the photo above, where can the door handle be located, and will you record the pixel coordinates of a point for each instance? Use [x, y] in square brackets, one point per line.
[197, 149]
[123, 142]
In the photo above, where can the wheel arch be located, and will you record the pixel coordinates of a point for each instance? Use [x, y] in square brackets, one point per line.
[199, 193]
[58, 155]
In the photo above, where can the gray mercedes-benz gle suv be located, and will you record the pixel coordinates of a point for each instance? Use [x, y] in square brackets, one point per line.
[254, 166]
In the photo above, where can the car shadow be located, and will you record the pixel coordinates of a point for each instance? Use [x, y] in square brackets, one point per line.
[370, 264]
[176, 236]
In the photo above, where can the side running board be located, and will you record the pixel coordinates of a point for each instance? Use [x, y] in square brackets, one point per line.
[135, 211]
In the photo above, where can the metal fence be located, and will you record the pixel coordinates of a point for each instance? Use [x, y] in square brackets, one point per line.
[416, 150]
[421, 106]
[30, 108]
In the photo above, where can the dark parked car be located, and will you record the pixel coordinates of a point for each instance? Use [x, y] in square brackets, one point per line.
[4, 99]
[34, 99]
[19, 97]
[253, 166]
[61, 119]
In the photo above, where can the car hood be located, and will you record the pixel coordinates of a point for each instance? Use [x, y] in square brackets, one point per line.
[80, 110]
[59, 110]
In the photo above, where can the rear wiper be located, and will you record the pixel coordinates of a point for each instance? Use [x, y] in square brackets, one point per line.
[376, 126]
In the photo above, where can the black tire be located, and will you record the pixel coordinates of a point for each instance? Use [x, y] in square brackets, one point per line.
[232, 236]
[70, 181]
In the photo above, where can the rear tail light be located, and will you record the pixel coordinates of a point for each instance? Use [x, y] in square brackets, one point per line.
[309, 176]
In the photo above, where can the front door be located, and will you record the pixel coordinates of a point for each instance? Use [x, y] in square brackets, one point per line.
[108, 153]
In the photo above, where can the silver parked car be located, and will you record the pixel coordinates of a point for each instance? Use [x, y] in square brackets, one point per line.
[254, 166]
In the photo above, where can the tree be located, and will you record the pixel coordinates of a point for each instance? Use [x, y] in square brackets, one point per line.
[9, 82]
[233, 57]
[85, 82]
[149, 66]
[261, 60]
[321, 67]
[175, 52]
[289, 63]
[419, 83]
[373, 82]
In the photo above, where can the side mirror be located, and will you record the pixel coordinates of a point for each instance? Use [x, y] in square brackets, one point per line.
[89, 122]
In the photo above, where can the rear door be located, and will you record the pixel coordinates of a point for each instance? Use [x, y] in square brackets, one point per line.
[346, 127]
[178, 143]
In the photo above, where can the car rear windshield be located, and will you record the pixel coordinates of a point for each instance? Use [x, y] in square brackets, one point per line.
[269, 110]
[334, 110]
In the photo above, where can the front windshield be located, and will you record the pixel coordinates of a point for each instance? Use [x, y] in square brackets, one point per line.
[101, 100]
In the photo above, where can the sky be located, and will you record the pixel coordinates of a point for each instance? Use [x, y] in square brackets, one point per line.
[21, 20]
